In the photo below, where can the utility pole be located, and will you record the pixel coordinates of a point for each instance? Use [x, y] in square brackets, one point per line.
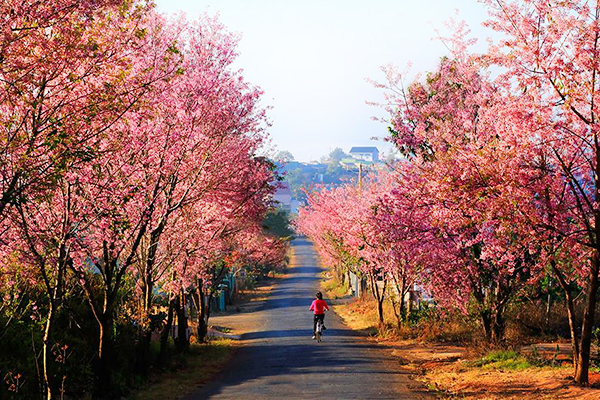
[360, 176]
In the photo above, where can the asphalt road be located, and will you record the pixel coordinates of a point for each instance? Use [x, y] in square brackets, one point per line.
[281, 361]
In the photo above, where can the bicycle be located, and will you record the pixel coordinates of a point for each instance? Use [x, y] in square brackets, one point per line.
[319, 330]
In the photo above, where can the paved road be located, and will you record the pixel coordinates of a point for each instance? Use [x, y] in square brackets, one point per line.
[281, 361]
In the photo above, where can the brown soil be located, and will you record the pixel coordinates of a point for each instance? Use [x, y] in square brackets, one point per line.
[445, 369]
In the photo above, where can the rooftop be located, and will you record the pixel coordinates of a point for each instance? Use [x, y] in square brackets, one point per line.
[364, 150]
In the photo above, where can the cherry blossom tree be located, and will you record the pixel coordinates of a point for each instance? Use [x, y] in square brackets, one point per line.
[213, 127]
[403, 238]
[125, 132]
[322, 221]
[447, 127]
[69, 74]
[550, 55]
[342, 224]
[229, 229]
[66, 75]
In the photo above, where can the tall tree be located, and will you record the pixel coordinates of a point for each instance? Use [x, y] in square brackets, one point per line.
[551, 57]
[70, 72]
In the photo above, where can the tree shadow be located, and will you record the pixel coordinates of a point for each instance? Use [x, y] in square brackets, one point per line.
[246, 375]
[288, 333]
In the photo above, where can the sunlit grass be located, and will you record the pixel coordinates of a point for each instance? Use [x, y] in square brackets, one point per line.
[503, 360]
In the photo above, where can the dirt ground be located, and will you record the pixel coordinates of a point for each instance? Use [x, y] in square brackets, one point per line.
[238, 319]
[445, 369]
[448, 369]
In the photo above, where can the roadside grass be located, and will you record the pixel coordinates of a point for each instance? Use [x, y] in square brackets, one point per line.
[358, 314]
[333, 289]
[192, 370]
[355, 317]
[222, 329]
[506, 360]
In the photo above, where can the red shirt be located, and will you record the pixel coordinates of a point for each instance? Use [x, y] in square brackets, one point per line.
[318, 307]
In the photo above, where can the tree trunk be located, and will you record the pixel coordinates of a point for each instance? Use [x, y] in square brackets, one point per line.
[493, 324]
[101, 366]
[548, 308]
[486, 321]
[380, 312]
[402, 308]
[396, 306]
[207, 314]
[202, 320]
[164, 335]
[105, 325]
[182, 342]
[145, 333]
[399, 304]
[379, 296]
[497, 326]
[55, 299]
[572, 328]
[46, 350]
[348, 280]
[491, 303]
[103, 311]
[570, 313]
[581, 373]
[148, 277]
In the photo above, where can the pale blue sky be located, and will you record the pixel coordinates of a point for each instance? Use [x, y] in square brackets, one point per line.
[312, 57]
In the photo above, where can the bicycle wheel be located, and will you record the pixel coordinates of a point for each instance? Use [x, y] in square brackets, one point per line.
[319, 331]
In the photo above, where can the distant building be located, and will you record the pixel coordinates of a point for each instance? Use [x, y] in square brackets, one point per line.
[370, 154]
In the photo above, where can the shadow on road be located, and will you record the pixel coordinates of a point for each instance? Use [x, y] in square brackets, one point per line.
[285, 302]
[288, 361]
[307, 333]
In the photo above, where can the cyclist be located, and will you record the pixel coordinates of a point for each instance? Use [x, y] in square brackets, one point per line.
[318, 307]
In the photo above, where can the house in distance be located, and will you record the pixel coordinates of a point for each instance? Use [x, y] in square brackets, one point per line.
[370, 154]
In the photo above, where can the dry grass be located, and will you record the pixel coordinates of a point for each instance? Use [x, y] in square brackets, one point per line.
[361, 314]
[201, 363]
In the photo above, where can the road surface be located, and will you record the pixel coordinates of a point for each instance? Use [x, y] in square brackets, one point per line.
[280, 360]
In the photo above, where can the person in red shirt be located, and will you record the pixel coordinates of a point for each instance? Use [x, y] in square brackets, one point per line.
[318, 307]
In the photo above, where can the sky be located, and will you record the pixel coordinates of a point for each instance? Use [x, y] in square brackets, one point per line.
[313, 59]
